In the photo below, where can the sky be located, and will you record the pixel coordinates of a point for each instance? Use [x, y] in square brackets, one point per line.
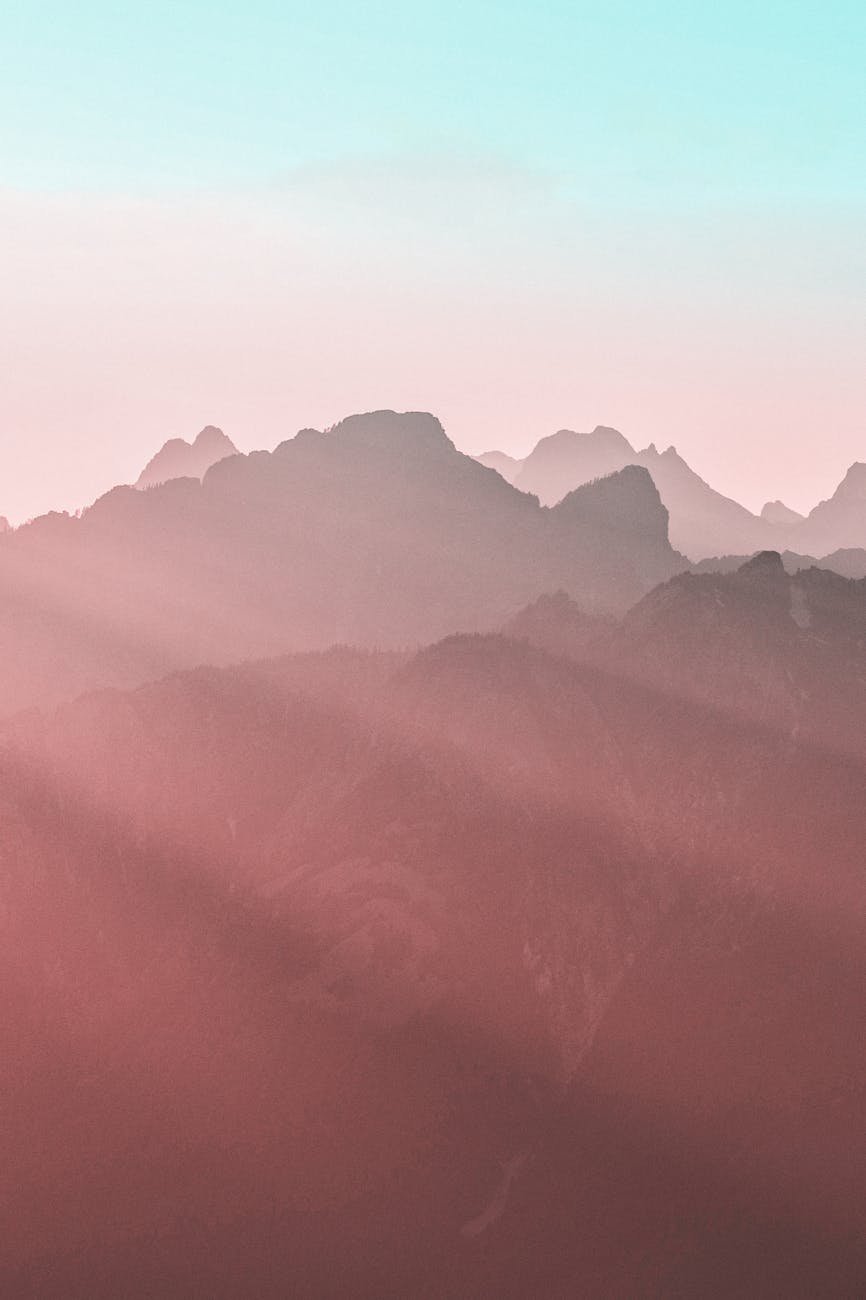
[520, 216]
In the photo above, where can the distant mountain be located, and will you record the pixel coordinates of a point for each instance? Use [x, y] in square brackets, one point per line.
[180, 459]
[4, 524]
[838, 523]
[785, 650]
[850, 563]
[565, 460]
[377, 532]
[776, 512]
[557, 624]
[834, 530]
[505, 465]
[703, 522]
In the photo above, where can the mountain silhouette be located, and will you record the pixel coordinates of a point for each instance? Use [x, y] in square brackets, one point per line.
[565, 460]
[180, 459]
[776, 512]
[849, 563]
[557, 624]
[838, 523]
[703, 522]
[377, 532]
[505, 465]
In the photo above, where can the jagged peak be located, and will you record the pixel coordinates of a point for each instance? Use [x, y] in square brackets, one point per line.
[765, 562]
[776, 512]
[854, 482]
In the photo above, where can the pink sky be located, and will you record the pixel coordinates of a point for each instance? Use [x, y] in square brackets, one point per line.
[129, 320]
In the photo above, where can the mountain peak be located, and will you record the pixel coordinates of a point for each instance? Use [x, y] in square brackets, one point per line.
[506, 466]
[839, 522]
[178, 458]
[606, 433]
[765, 562]
[570, 458]
[387, 429]
[625, 503]
[853, 485]
[212, 438]
[776, 512]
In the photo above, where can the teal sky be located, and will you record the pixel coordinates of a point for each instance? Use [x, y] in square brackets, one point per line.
[558, 181]
[754, 101]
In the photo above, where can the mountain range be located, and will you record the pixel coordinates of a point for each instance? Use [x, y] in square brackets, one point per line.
[375, 533]
[848, 563]
[410, 888]
[703, 522]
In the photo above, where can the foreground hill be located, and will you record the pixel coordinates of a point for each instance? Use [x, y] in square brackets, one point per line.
[489, 969]
[377, 533]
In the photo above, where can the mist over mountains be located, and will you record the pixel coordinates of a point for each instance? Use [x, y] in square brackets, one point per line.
[411, 887]
[375, 533]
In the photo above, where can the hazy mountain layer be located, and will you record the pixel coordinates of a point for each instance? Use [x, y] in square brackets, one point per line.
[849, 563]
[776, 512]
[377, 533]
[481, 970]
[703, 522]
[838, 523]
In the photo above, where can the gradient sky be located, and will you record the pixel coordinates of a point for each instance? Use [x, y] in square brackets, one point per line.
[520, 216]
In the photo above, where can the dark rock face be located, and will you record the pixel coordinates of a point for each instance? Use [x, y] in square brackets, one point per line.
[377, 532]
[181, 459]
